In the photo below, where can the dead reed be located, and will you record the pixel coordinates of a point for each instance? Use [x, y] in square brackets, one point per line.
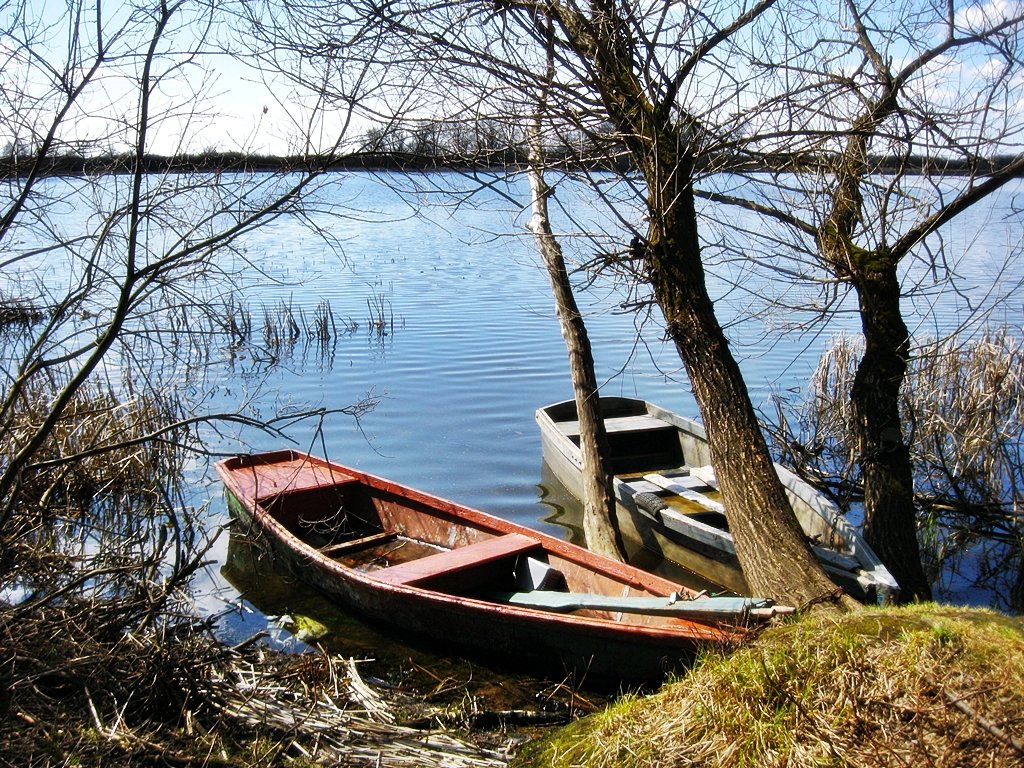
[99, 445]
[963, 413]
[966, 415]
[238, 322]
[381, 315]
[322, 327]
[18, 312]
[86, 682]
[104, 658]
[284, 327]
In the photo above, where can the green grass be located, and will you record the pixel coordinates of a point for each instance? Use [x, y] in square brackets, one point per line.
[924, 685]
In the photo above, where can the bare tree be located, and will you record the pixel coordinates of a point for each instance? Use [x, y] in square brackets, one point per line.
[661, 77]
[600, 525]
[126, 270]
[905, 117]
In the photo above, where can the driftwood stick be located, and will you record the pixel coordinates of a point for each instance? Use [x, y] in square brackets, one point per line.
[249, 641]
[961, 704]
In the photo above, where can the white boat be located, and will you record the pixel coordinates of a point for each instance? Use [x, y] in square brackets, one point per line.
[668, 499]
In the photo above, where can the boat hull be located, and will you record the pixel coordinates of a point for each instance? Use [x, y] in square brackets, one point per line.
[597, 647]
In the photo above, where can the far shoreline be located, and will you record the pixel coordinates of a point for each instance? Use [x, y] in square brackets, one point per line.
[74, 165]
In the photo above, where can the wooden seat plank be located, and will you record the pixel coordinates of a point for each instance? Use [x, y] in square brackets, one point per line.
[692, 482]
[642, 423]
[705, 473]
[686, 493]
[458, 559]
[641, 486]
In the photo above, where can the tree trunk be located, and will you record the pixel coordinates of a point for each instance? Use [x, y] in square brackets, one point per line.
[600, 525]
[776, 559]
[890, 525]
[772, 549]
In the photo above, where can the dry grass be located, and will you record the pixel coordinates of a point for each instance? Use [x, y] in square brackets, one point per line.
[84, 684]
[879, 687]
[104, 659]
[966, 413]
[97, 460]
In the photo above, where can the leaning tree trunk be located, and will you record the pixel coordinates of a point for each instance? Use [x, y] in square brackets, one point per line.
[890, 524]
[772, 549]
[600, 525]
[776, 558]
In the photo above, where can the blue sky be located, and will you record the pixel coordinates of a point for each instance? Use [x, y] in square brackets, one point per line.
[204, 99]
[213, 101]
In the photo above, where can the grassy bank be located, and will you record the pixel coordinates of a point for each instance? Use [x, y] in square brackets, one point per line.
[925, 685]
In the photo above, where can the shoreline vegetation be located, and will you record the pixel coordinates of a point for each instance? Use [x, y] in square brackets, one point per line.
[74, 164]
[926, 684]
[918, 685]
[861, 137]
[115, 693]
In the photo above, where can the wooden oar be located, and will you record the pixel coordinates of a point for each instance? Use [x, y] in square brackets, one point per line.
[733, 609]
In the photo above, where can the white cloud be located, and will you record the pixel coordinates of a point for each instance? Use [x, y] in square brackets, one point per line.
[979, 16]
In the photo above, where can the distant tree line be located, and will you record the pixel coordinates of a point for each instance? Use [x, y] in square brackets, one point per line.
[438, 144]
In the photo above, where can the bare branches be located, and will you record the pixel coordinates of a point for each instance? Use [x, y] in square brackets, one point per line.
[709, 43]
[961, 402]
[143, 246]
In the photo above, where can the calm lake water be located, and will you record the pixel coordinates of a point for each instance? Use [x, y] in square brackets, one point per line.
[471, 346]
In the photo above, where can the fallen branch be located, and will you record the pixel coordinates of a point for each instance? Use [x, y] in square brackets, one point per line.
[960, 703]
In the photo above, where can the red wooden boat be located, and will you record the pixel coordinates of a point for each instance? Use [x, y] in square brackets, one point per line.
[469, 581]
